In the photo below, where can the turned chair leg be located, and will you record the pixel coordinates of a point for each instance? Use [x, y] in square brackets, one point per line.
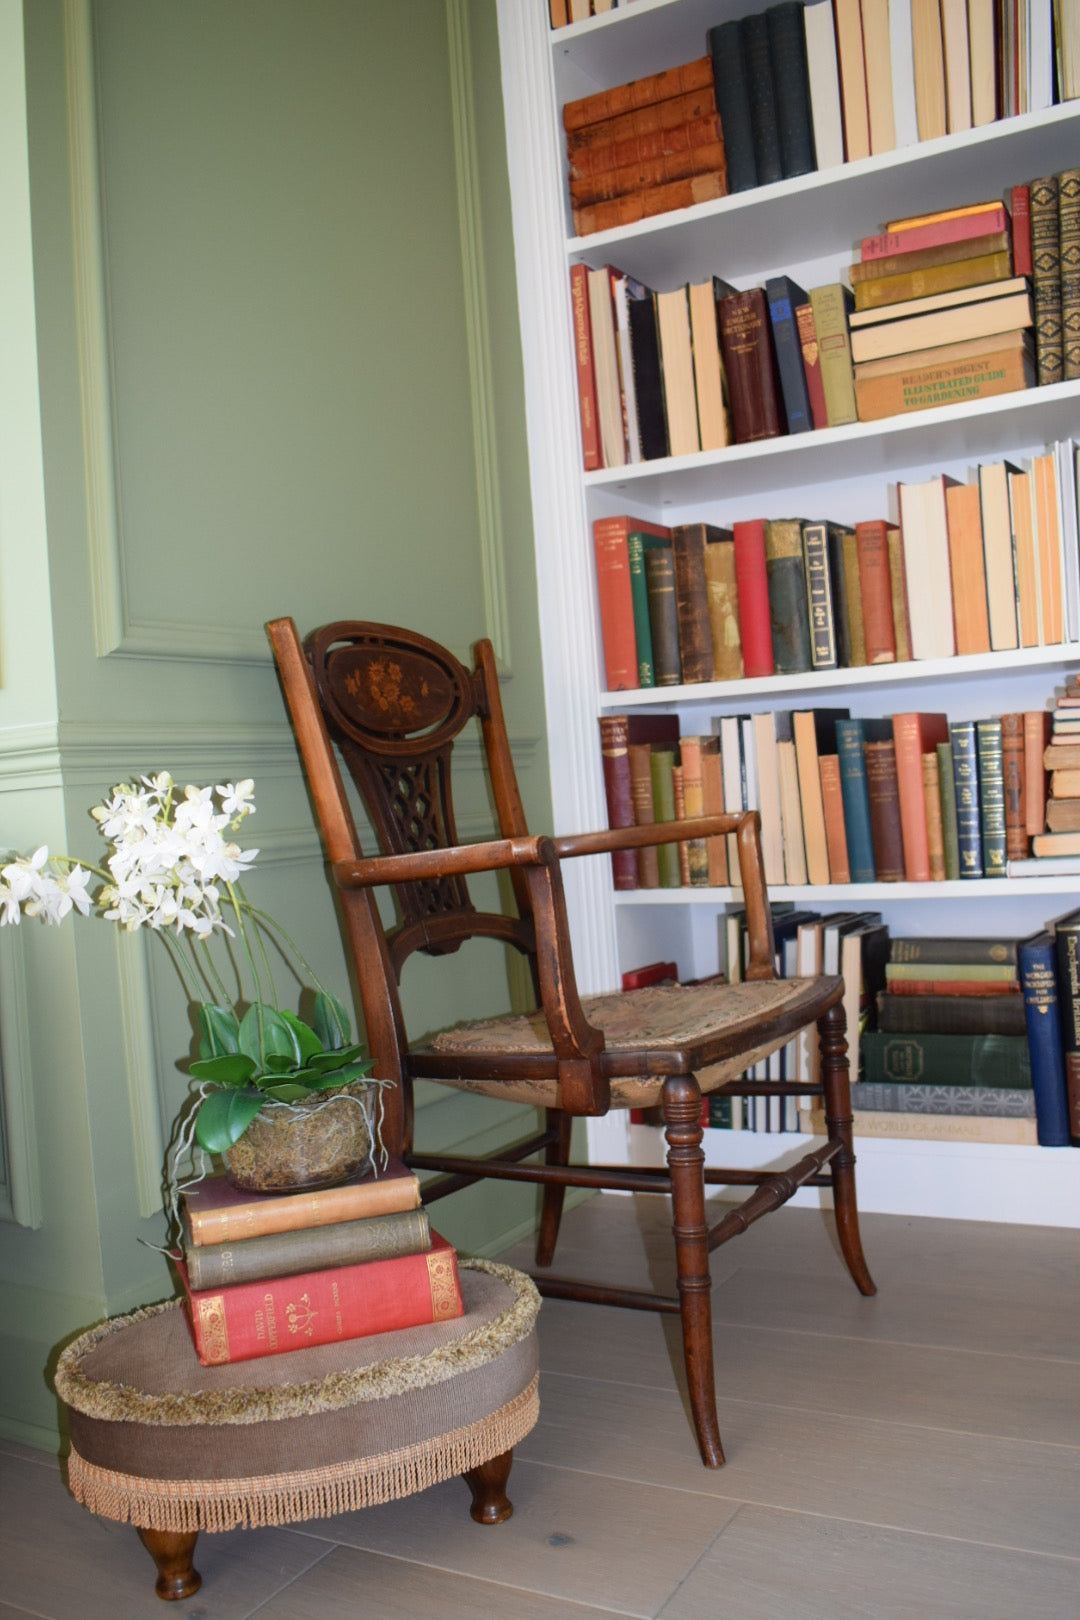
[686, 1162]
[172, 1552]
[557, 1152]
[490, 1503]
[838, 1123]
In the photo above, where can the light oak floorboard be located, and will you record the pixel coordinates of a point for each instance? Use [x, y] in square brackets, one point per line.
[574, 1535]
[841, 1571]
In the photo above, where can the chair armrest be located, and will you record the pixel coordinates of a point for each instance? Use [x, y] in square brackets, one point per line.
[456, 860]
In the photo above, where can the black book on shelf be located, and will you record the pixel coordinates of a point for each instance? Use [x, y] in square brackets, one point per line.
[761, 93]
[648, 379]
[733, 104]
[791, 85]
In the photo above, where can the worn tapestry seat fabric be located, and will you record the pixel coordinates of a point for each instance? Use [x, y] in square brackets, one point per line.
[159, 1441]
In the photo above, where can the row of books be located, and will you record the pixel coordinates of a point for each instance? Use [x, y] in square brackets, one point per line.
[264, 1273]
[645, 147]
[970, 568]
[1046, 247]
[1058, 848]
[563, 12]
[910, 797]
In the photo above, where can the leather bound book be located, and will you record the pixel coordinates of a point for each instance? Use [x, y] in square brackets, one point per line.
[853, 788]
[791, 87]
[214, 1211]
[785, 572]
[662, 762]
[811, 358]
[1046, 279]
[966, 782]
[1020, 210]
[935, 831]
[819, 596]
[643, 173]
[624, 142]
[750, 365]
[1017, 842]
[586, 375]
[733, 104]
[875, 590]
[614, 589]
[947, 788]
[663, 614]
[688, 544]
[283, 1254]
[878, 292]
[614, 742]
[753, 593]
[641, 794]
[832, 305]
[784, 297]
[761, 95]
[643, 92]
[723, 595]
[712, 792]
[697, 854]
[914, 735]
[882, 790]
[649, 201]
[848, 541]
[1067, 948]
[991, 796]
[648, 379]
[1069, 253]
[898, 591]
[838, 544]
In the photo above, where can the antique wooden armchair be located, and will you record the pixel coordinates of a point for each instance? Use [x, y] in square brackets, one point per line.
[394, 702]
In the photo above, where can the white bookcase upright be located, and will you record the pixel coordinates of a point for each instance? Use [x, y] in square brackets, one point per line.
[806, 228]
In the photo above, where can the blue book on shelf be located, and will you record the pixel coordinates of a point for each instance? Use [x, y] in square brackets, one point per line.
[966, 778]
[856, 799]
[784, 297]
[1038, 980]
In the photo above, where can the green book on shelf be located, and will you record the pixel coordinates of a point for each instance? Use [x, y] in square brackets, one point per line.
[947, 786]
[662, 765]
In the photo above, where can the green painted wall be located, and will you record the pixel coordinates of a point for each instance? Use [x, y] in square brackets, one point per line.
[294, 411]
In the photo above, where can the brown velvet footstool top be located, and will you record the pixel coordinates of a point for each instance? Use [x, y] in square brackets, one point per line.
[165, 1444]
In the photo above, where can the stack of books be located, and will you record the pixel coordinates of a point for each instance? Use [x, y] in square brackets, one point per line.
[950, 1059]
[969, 569]
[1046, 247]
[269, 1272]
[939, 316]
[910, 797]
[645, 147]
[1057, 848]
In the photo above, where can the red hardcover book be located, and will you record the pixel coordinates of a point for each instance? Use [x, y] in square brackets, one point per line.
[1020, 200]
[750, 366]
[961, 228]
[615, 597]
[954, 987]
[832, 803]
[614, 753]
[804, 319]
[586, 375]
[752, 587]
[1017, 842]
[254, 1319]
[913, 736]
[214, 1211]
[875, 591]
[1036, 737]
[651, 973]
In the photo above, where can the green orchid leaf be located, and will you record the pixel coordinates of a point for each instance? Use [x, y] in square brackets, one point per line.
[310, 1044]
[231, 1069]
[341, 1077]
[219, 1029]
[279, 1066]
[330, 1021]
[285, 1091]
[264, 1033]
[223, 1118]
[325, 1061]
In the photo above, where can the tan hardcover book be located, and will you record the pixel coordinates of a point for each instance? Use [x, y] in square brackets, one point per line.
[693, 792]
[942, 354]
[852, 65]
[1025, 564]
[931, 1127]
[922, 388]
[1063, 815]
[982, 55]
[606, 365]
[898, 587]
[935, 831]
[768, 774]
[968, 569]
[884, 291]
[813, 809]
[956, 298]
[723, 600]
[948, 323]
[830, 305]
[998, 554]
[677, 361]
[832, 802]
[1036, 731]
[313, 1248]
[679, 800]
[1017, 843]
[931, 105]
[856, 622]
[877, 53]
[214, 1211]
[1056, 843]
[928, 258]
[954, 38]
[791, 813]
[924, 528]
[641, 797]
[714, 420]
[1047, 524]
[712, 791]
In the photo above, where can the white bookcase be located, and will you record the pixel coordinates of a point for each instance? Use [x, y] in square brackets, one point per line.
[806, 228]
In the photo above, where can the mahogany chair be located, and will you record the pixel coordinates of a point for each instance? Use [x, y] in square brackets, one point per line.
[394, 702]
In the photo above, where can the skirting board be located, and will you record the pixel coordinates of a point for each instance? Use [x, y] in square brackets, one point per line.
[1027, 1186]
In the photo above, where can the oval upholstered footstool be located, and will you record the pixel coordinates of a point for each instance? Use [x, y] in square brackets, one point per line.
[172, 1447]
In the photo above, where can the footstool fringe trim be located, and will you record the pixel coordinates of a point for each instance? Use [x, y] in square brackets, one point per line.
[185, 1505]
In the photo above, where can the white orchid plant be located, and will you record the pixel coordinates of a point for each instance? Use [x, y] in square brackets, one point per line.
[174, 870]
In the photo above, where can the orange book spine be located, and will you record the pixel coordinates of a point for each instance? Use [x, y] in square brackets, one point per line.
[1036, 736]
[616, 603]
[1017, 842]
[255, 1319]
[913, 735]
[678, 785]
[1049, 549]
[643, 123]
[832, 802]
[214, 1211]
[967, 567]
[586, 375]
[627, 210]
[935, 827]
[622, 98]
[952, 987]
[875, 591]
[658, 171]
[600, 157]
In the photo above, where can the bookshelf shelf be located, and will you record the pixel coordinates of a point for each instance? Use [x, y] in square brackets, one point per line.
[805, 228]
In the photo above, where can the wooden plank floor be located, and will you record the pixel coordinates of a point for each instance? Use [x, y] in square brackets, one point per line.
[913, 1454]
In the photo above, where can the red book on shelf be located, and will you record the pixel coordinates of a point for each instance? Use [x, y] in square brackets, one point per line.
[750, 366]
[804, 320]
[247, 1320]
[618, 793]
[651, 973]
[615, 597]
[752, 587]
[1020, 198]
[586, 374]
[1036, 737]
[960, 228]
[875, 590]
[913, 736]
